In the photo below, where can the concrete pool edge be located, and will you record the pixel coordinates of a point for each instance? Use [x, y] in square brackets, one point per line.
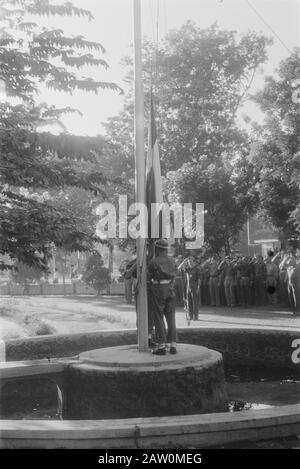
[199, 431]
[254, 347]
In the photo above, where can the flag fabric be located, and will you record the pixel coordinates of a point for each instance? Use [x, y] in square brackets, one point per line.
[154, 193]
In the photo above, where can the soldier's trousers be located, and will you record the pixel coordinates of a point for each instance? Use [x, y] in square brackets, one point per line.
[296, 283]
[292, 296]
[205, 298]
[178, 289]
[239, 291]
[230, 287]
[283, 289]
[245, 291]
[163, 306]
[214, 291]
[194, 302]
[222, 293]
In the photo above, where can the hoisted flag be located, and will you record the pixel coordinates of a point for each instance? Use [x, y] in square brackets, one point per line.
[154, 193]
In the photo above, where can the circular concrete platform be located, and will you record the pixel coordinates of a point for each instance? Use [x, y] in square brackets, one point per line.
[121, 382]
[129, 356]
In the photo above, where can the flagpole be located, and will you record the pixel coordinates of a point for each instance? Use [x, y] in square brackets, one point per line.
[142, 309]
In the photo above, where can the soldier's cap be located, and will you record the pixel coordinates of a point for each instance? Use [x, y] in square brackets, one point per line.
[161, 244]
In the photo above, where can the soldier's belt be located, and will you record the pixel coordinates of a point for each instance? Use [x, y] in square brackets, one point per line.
[161, 282]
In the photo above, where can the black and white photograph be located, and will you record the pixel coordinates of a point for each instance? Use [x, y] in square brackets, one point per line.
[149, 229]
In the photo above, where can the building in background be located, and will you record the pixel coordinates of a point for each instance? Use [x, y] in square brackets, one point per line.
[257, 238]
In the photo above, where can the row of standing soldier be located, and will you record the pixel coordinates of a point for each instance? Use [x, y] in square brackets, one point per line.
[238, 281]
[196, 281]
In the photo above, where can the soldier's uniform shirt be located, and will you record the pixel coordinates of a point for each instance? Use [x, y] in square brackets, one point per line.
[229, 269]
[246, 269]
[260, 270]
[162, 268]
[272, 274]
[213, 269]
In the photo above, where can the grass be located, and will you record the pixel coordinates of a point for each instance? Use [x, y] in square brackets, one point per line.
[16, 323]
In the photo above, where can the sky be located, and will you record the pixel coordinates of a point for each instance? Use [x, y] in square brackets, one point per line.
[113, 28]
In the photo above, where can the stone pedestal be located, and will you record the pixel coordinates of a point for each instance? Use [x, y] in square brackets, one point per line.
[121, 382]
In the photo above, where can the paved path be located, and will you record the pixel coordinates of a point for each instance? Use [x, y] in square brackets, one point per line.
[73, 314]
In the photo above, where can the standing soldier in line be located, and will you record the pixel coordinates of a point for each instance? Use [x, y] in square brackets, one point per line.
[295, 280]
[252, 285]
[200, 281]
[291, 264]
[162, 271]
[185, 267]
[221, 283]
[179, 281]
[194, 290]
[246, 279]
[205, 284]
[272, 279]
[260, 273]
[229, 280]
[238, 277]
[214, 282]
[283, 278]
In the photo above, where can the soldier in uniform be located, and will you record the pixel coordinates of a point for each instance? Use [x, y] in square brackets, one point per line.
[221, 283]
[179, 281]
[260, 275]
[291, 264]
[246, 276]
[200, 275]
[185, 267]
[162, 271]
[238, 261]
[295, 280]
[272, 279]
[283, 281]
[194, 290]
[205, 284]
[229, 268]
[214, 291]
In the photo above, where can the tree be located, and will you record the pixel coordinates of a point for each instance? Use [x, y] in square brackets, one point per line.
[31, 54]
[276, 153]
[226, 191]
[96, 275]
[200, 78]
[24, 274]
